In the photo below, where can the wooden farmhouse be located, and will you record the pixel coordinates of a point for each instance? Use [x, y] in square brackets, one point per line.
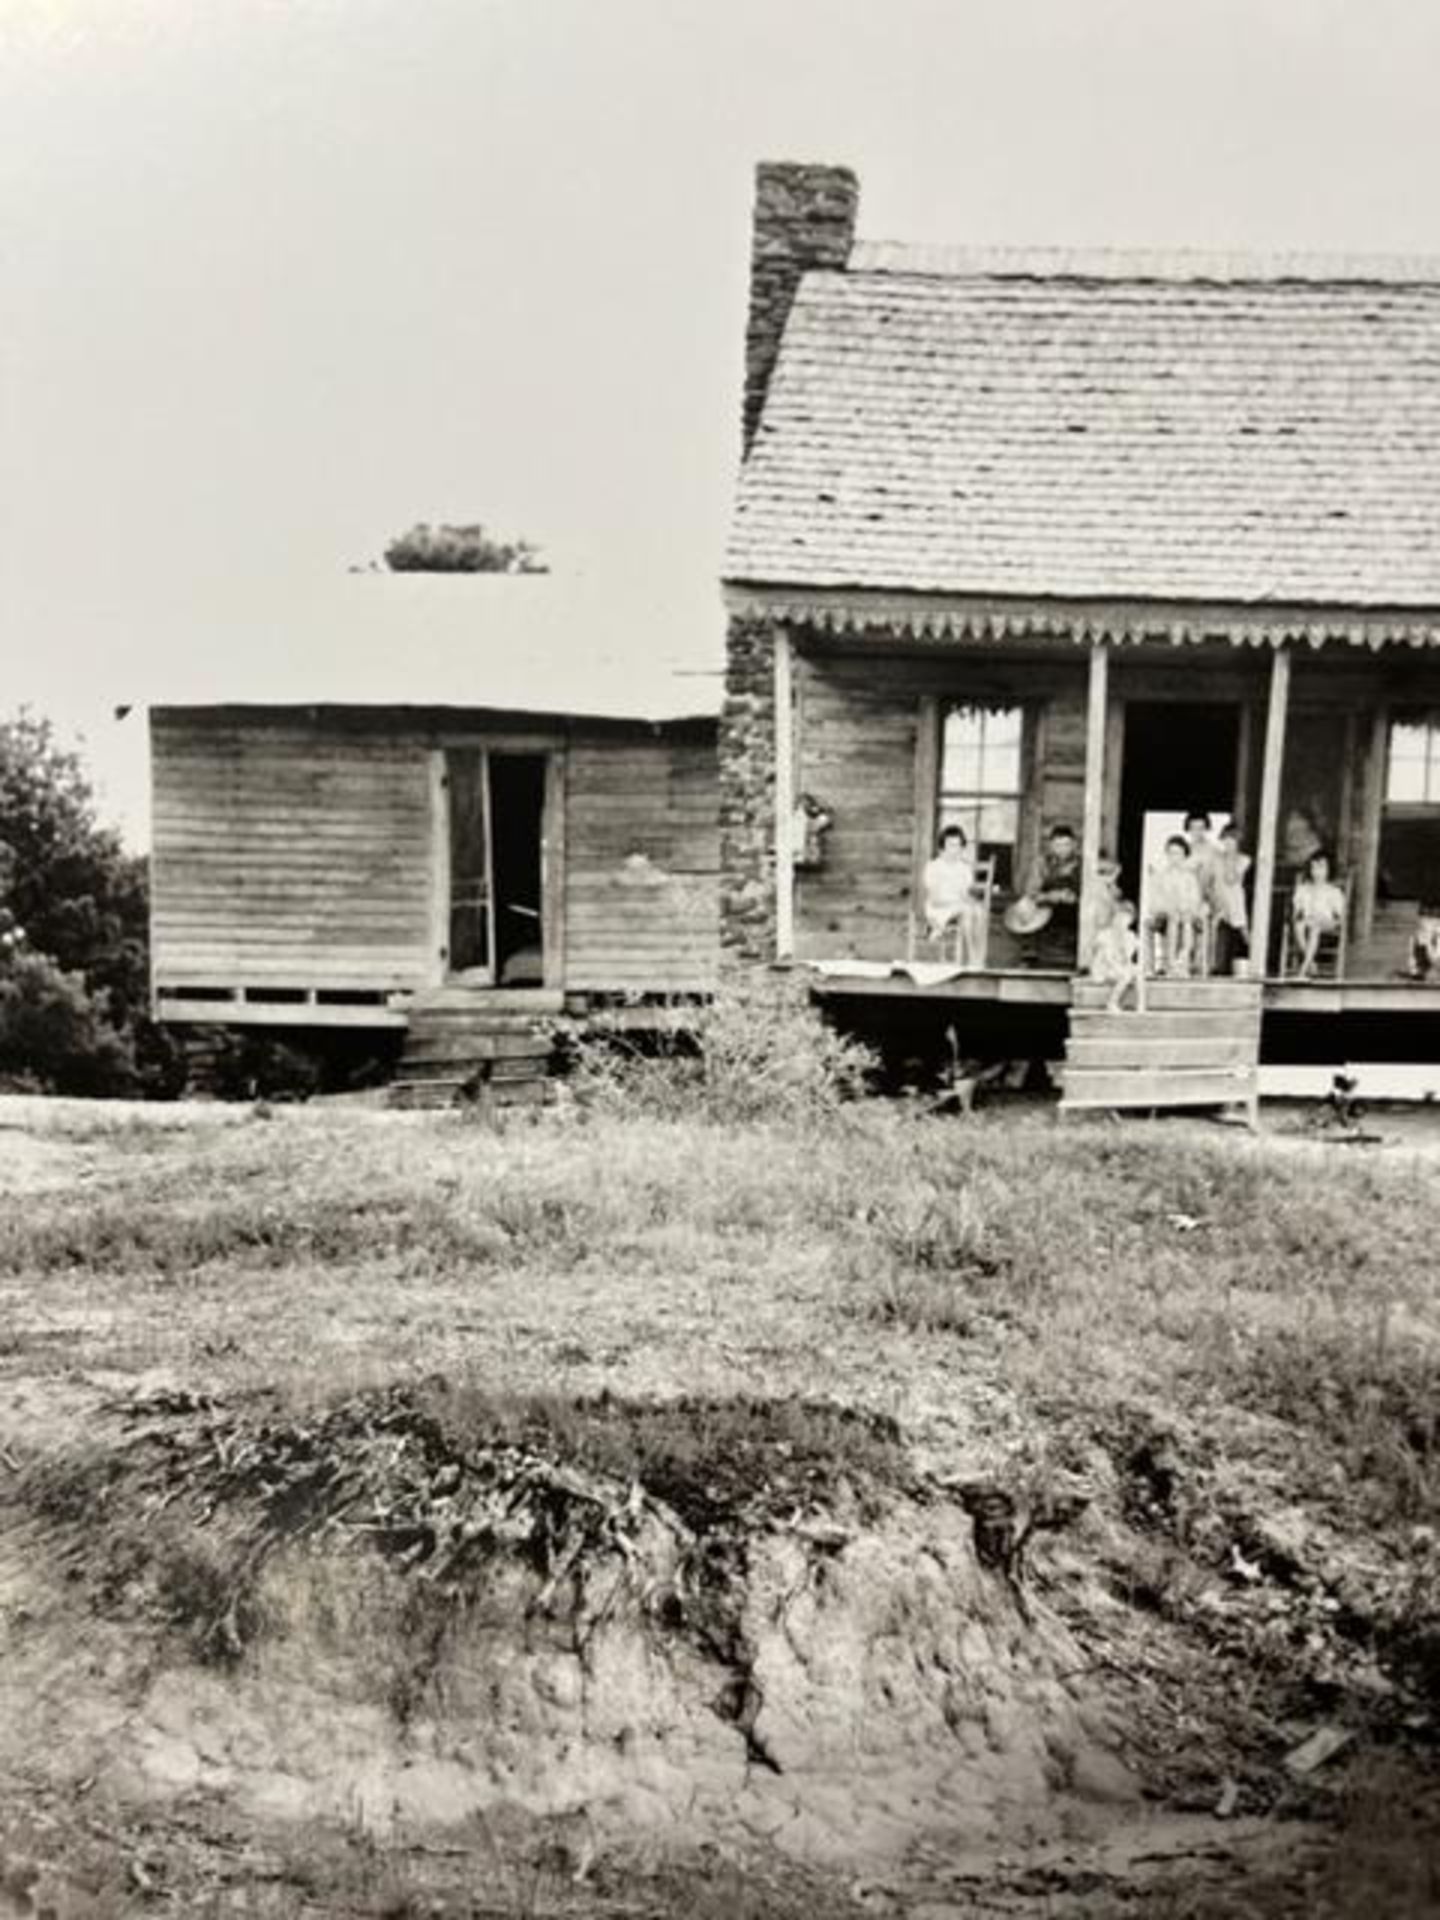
[1027, 542]
[471, 827]
[1060, 550]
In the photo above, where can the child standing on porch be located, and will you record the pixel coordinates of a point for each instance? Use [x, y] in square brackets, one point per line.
[1228, 902]
[1115, 955]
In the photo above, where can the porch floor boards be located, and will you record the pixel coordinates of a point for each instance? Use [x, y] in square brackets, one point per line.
[1034, 987]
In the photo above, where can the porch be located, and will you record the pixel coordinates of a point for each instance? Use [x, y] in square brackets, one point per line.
[884, 737]
[1027, 987]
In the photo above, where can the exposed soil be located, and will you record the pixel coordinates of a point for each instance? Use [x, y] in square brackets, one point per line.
[413, 1610]
[602, 1633]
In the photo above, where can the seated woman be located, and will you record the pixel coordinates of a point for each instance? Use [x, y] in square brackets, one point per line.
[950, 895]
[1317, 911]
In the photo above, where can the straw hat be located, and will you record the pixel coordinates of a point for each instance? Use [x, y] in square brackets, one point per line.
[1026, 915]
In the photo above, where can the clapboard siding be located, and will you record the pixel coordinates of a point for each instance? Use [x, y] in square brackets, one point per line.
[642, 861]
[303, 853]
[291, 853]
[857, 729]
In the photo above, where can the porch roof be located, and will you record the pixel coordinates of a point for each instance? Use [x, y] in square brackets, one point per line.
[1145, 431]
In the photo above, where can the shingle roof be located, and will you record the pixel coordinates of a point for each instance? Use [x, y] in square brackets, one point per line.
[1057, 429]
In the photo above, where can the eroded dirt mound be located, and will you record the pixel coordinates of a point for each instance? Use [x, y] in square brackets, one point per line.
[730, 1621]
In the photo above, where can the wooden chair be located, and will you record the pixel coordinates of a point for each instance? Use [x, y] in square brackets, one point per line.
[1205, 944]
[1202, 950]
[1332, 947]
[952, 943]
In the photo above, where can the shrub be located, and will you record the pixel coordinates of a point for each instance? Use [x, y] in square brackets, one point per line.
[757, 1051]
[55, 1035]
[250, 1066]
[67, 886]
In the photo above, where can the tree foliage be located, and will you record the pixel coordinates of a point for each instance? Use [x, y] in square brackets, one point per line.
[73, 923]
[468, 549]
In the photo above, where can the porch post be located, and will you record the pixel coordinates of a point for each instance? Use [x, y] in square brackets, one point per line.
[1096, 711]
[784, 799]
[1372, 803]
[1269, 828]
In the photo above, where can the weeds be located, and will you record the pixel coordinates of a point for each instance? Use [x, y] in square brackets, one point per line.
[756, 1052]
[442, 1484]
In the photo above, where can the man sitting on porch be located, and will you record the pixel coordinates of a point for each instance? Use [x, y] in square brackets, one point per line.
[1055, 885]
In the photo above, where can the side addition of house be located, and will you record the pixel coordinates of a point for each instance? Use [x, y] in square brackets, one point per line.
[453, 860]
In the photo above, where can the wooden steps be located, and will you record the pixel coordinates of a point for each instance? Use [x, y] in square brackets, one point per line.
[475, 1046]
[1197, 1044]
[1177, 996]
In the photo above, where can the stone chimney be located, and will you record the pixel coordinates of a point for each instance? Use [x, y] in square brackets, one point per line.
[804, 217]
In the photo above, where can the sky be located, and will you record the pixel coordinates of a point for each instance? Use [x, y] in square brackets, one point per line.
[280, 277]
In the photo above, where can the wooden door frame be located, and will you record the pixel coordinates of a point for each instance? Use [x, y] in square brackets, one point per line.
[552, 849]
[439, 866]
[481, 979]
[552, 870]
[1117, 716]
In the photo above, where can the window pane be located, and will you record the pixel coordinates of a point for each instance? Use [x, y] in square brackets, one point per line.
[1407, 780]
[963, 727]
[961, 771]
[1412, 749]
[999, 823]
[1002, 770]
[1003, 729]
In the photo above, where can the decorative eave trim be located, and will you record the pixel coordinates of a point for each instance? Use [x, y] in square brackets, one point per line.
[853, 612]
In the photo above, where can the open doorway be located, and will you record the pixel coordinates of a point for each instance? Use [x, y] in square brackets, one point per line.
[496, 934]
[517, 798]
[1178, 756]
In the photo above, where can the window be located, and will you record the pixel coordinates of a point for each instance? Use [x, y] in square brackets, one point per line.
[981, 775]
[1413, 778]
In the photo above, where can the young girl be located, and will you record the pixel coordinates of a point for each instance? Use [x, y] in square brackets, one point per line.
[1317, 909]
[1228, 902]
[1175, 909]
[1115, 956]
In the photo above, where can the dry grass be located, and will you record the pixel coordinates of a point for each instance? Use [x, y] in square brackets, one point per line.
[881, 1260]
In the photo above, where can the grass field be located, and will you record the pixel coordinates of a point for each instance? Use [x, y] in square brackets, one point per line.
[1231, 1346]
